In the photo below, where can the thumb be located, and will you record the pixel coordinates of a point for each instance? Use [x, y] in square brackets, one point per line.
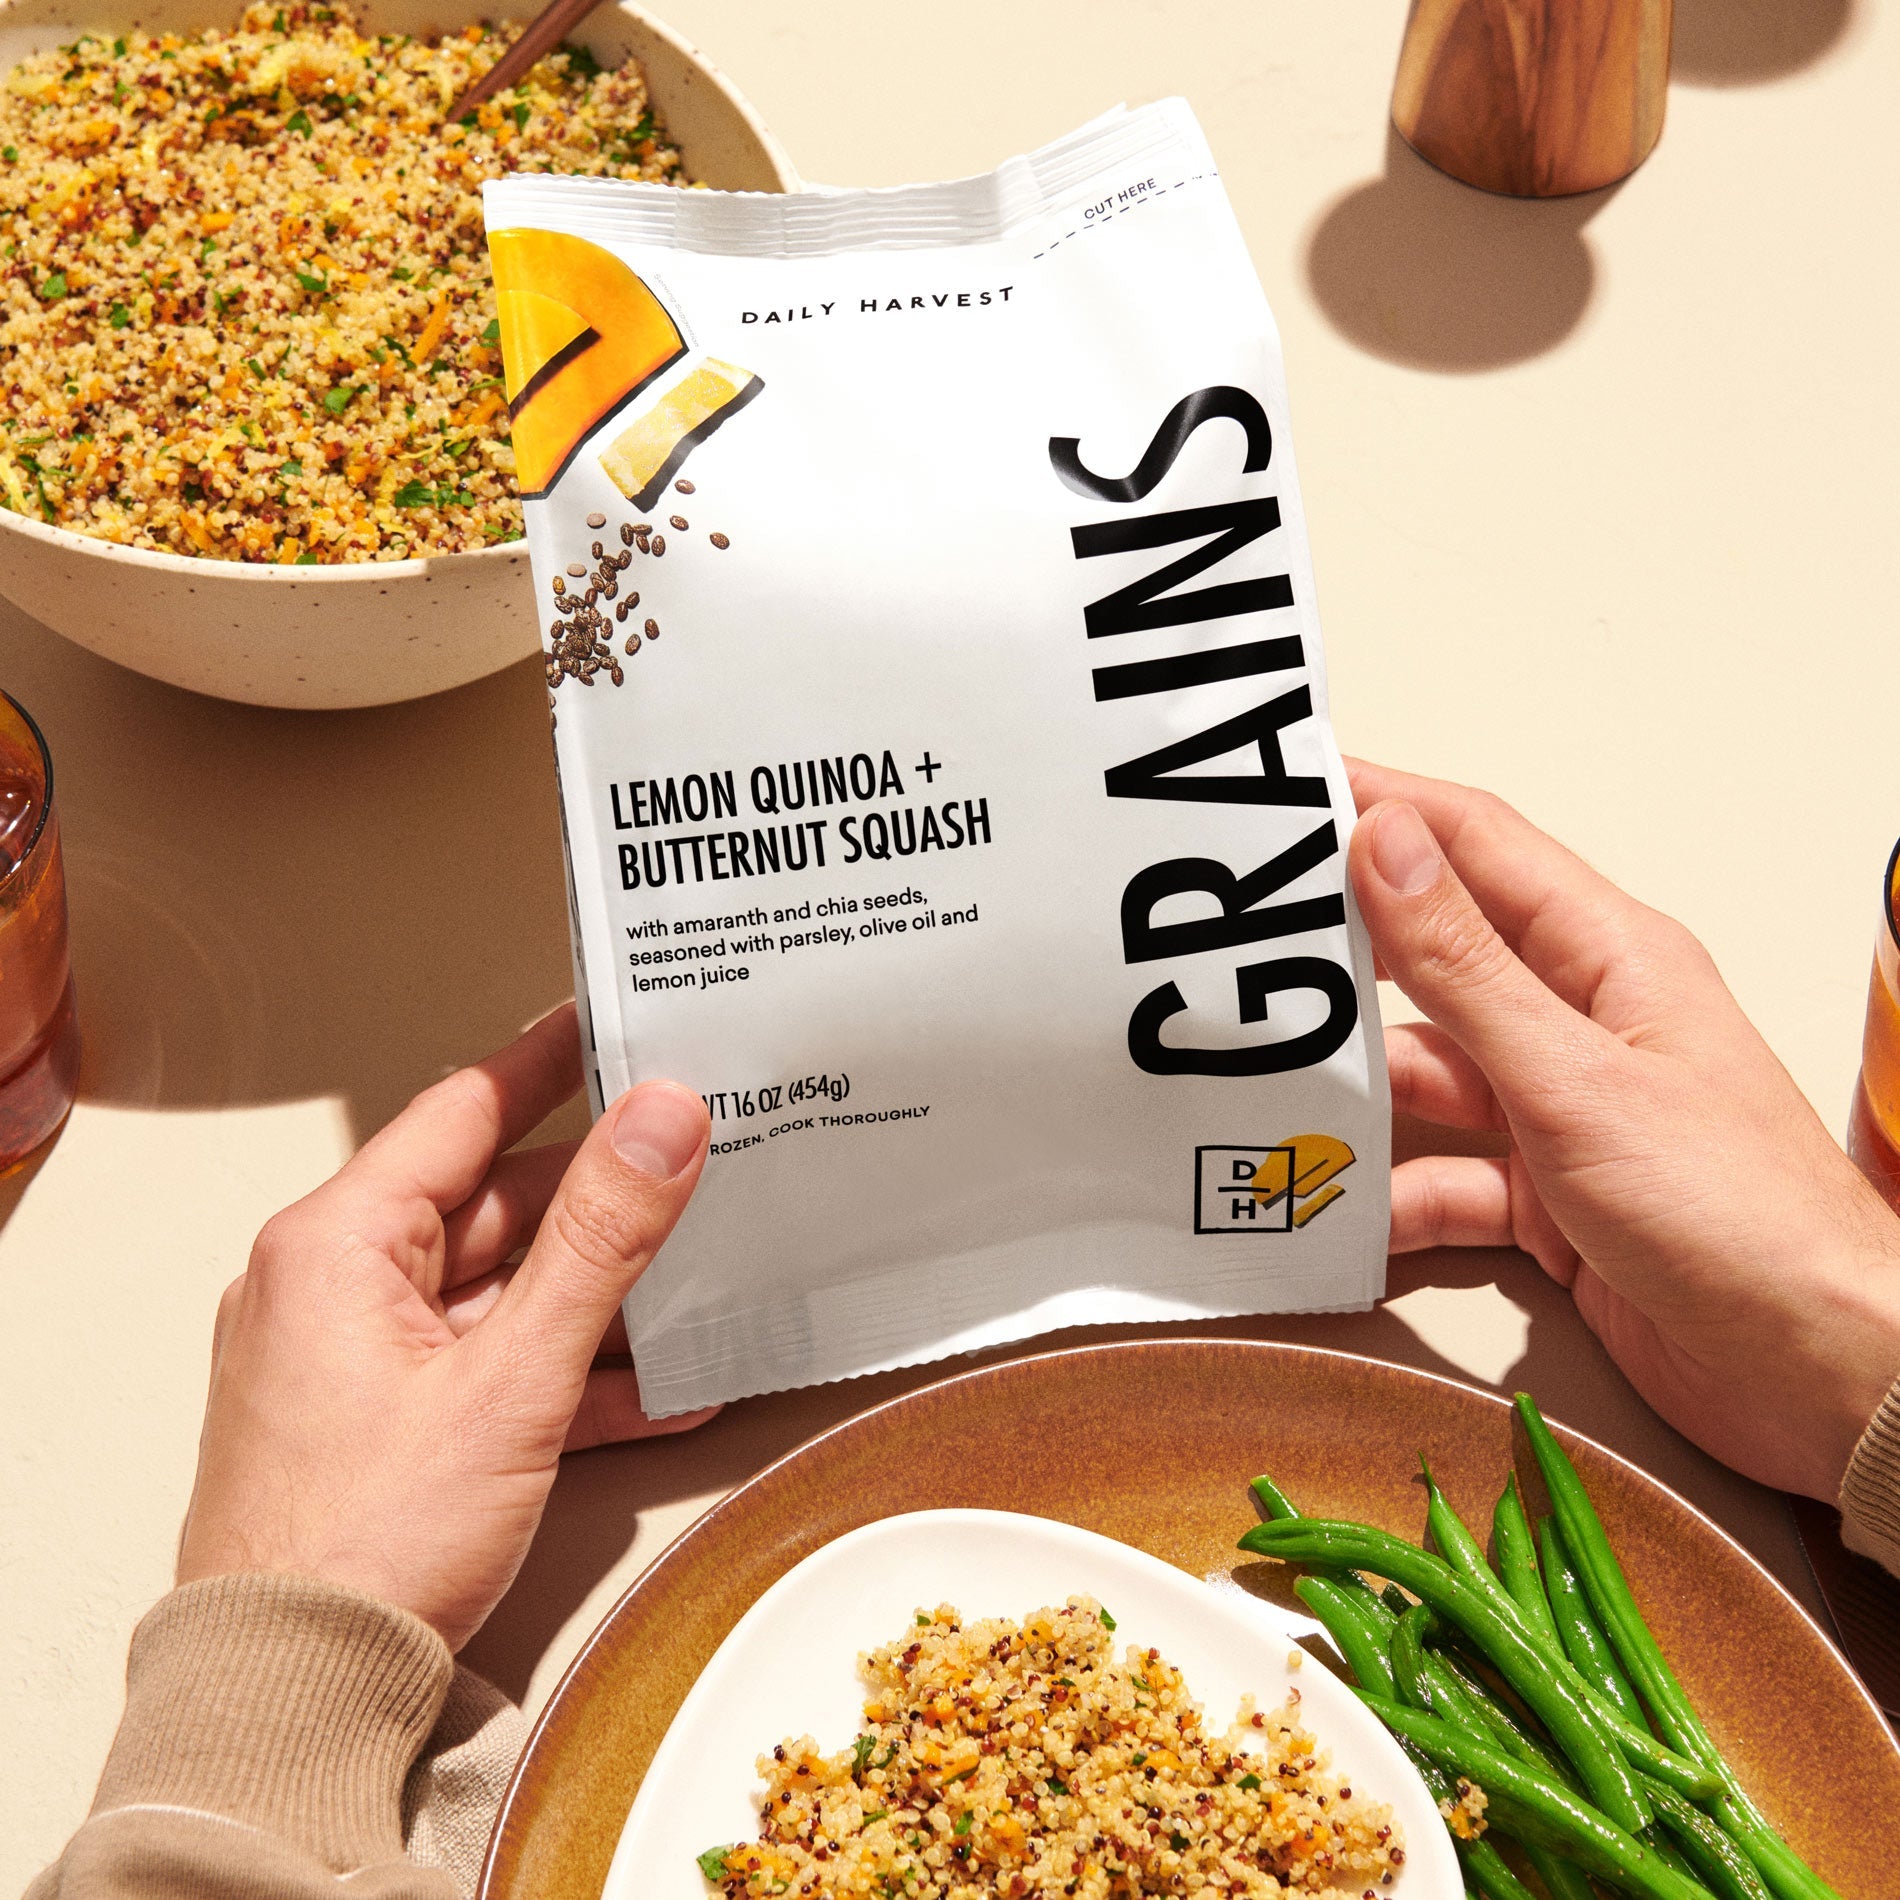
[619, 1199]
[1443, 952]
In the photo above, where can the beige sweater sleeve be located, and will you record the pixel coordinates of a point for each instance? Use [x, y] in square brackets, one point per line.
[1870, 1493]
[284, 1739]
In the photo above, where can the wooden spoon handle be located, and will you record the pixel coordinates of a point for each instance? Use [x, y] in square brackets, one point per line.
[547, 30]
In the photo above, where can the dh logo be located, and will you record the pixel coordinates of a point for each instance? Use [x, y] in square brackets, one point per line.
[1270, 1190]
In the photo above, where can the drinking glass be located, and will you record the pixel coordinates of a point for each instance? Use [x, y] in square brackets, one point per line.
[39, 1033]
[1873, 1130]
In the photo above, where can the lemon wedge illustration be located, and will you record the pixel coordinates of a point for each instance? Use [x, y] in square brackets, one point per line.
[643, 458]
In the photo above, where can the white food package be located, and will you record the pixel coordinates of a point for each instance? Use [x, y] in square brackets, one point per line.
[971, 833]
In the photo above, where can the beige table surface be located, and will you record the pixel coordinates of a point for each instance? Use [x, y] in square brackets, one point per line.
[1602, 506]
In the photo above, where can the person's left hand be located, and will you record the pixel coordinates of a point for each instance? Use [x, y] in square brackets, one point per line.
[389, 1399]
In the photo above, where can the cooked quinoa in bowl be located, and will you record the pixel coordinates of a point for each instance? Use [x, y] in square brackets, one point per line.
[245, 305]
[1007, 1759]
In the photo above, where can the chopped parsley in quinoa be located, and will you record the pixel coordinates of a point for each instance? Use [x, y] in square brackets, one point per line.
[245, 305]
[1008, 1759]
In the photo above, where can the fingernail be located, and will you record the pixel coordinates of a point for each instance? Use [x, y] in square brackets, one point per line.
[659, 1129]
[1404, 852]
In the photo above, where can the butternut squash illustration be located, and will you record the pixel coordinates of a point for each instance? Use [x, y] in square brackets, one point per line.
[1315, 1161]
[580, 334]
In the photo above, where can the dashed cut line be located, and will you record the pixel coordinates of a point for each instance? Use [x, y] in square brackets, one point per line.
[1101, 224]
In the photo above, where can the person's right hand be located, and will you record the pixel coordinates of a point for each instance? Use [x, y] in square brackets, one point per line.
[389, 1396]
[1663, 1164]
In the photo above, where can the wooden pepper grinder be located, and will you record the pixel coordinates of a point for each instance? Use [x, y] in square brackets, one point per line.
[1534, 98]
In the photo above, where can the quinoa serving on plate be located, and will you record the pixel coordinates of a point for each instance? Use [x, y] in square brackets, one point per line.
[245, 304]
[1025, 1759]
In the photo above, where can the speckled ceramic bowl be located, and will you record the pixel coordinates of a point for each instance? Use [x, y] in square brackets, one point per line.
[1153, 1444]
[366, 634]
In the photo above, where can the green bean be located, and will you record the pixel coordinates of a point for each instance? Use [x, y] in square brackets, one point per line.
[1634, 1747]
[1641, 1655]
[1461, 1550]
[1608, 1590]
[1356, 1637]
[1517, 1561]
[1438, 1691]
[1639, 1747]
[1408, 1659]
[1529, 1807]
[1557, 1704]
[1499, 1713]
[1563, 1879]
[1469, 1704]
[1582, 1636]
[1455, 1544]
[1720, 1865]
[1490, 1718]
[1379, 1614]
[1633, 1738]
[1454, 1701]
[1437, 1782]
[1273, 1500]
[1280, 1508]
[1790, 1877]
[1669, 1854]
[1484, 1867]
[1492, 1872]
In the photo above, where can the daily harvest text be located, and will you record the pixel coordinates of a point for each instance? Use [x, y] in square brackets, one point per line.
[783, 843]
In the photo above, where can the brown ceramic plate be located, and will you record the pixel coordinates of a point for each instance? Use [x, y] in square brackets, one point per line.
[1153, 1443]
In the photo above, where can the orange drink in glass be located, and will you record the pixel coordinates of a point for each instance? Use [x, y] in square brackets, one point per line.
[1873, 1130]
[39, 1033]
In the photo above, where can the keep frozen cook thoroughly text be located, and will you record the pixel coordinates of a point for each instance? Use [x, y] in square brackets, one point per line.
[941, 728]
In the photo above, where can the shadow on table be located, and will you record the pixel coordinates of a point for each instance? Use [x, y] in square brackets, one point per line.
[274, 906]
[1417, 268]
[16, 1181]
[1743, 42]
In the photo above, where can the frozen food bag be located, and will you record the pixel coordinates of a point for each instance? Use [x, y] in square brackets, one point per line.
[941, 728]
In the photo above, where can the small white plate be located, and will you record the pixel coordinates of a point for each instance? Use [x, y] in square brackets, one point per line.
[790, 1667]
